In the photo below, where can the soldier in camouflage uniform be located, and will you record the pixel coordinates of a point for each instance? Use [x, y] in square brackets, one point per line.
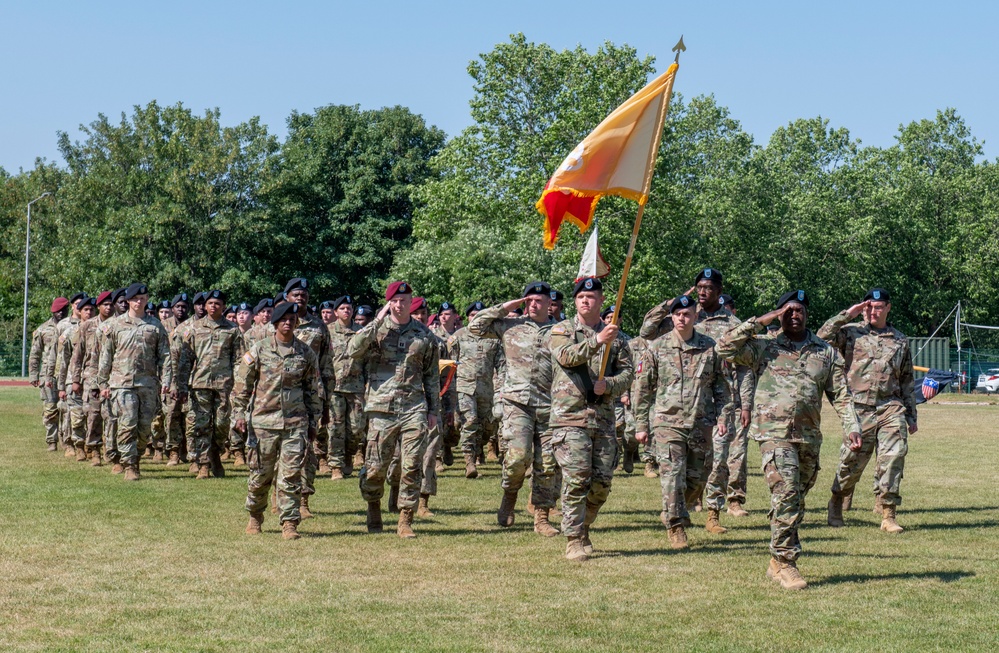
[793, 368]
[237, 440]
[83, 375]
[277, 403]
[328, 314]
[43, 341]
[879, 375]
[51, 367]
[347, 424]
[110, 417]
[262, 321]
[526, 398]
[682, 393]
[135, 360]
[363, 315]
[447, 325]
[638, 346]
[402, 403]
[582, 414]
[209, 350]
[477, 359]
[624, 418]
[73, 395]
[738, 445]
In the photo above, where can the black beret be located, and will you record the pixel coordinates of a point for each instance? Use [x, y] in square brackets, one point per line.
[877, 295]
[312, 308]
[283, 309]
[295, 284]
[537, 288]
[136, 289]
[475, 306]
[446, 306]
[364, 309]
[727, 301]
[557, 295]
[280, 297]
[215, 294]
[150, 306]
[77, 297]
[199, 298]
[683, 301]
[266, 302]
[232, 308]
[87, 300]
[340, 301]
[182, 297]
[799, 296]
[326, 305]
[710, 274]
[244, 306]
[116, 295]
[607, 311]
[165, 304]
[587, 284]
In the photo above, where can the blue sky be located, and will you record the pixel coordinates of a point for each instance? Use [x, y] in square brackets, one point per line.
[867, 66]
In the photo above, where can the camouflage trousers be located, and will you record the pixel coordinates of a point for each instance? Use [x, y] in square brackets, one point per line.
[65, 431]
[77, 419]
[737, 471]
[135, 409]
[884, 434]
[527, 440]
[173, 424]
[681, 455]
[648, 454]
[716, 468]
[388, 433]
[624, 426]
[346, 428]
[478, 425]
[435, 440]
[587, 457]
[94, 410]
[790, 469]
[276, 454]
[111, 452]
[159, 427]
[211, 411]
[50, 412]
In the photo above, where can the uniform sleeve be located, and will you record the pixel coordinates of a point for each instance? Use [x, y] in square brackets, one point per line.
[657, 322]
[746, 380]
[906, 383]
[76, 360]
[721, 391]
[432, 377]
[489, 322]
[364, 340]
[839, 396]
[244, 383]
[326, 371]
[646, 384]
[624, 370]
[832, 331]
[64, 351]
[35, 357]
[739, 344]
[107, 357]
[50, 357]
[312, 393]
[567, 352]
[163, 364]
[184, 351]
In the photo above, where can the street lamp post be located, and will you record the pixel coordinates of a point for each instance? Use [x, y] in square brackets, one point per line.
[27, 250]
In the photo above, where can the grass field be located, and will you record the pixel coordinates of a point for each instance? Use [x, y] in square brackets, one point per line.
[89, 563]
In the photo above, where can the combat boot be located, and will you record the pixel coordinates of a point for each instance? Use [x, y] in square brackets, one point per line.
[69, 452]
[53, 446]
[439, 467]
[405, 527]
[574, 550]
[132, 473]
[629, 462]
[888, 523]
[348, 467]
[835, 514]
[530, 507]
[174, 459]
[878, 507]
[423, 509]
[374, 518]
[157, 456]
[677, 537]
[447, 456]
[471, 471]
[786, 573]
[336, 474]
[117, 468]
[650, 470]
[96, 460]
[324, 468]
[289, 530]
[584, 539]
[303, 508]
[736, 510]
[149, 452]
[204, 472]
[393, 504]
[224, 456]
[541, 524]
[194, 468]
[492, 454]
[713, 525]
[359, 458]
[589, 517]
[238, 459]
[256, 523]
[698, 504]
[81, 453]
[505, 514]
[848, 502]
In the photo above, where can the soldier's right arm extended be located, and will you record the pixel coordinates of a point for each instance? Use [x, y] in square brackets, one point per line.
[488, 323]
[364, 340]
[832, 331]
[739, 344]
[655, 322]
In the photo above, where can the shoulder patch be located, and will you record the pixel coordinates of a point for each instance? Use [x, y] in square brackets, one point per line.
[248, 357]
[559, 330]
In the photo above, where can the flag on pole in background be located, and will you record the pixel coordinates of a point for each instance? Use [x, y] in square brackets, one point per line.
[593, 264]
[613, 160]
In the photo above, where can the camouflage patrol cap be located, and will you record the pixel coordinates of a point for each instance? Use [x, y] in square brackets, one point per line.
[587, 284]
[799, 296]
[537, 288]
[340, 301]
[877, 295]
[683, 301]
[136, 289]
[283, 309]
[475, 306]
[710, 274]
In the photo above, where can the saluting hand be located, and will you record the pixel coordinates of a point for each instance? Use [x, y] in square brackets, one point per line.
[513, 303]
[771, 316]
[382, 313]
[857, 309]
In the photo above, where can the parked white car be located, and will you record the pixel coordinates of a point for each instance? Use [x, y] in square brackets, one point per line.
[988, 382]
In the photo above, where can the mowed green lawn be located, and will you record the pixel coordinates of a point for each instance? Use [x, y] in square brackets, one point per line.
[89, 563]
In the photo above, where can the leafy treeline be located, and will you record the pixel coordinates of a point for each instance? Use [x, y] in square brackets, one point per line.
[353, 197]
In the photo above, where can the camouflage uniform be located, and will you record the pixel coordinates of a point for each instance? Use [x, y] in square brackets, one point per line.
[347, 424]
[135, 357]
[526, 398]
[277, 391]
[583, 436]
[209, 351]
[167, 402]
[790, 381]
[179, 420]
[76, 417]
[638, 346]
[83, 370]
[682, 392]
[43, 341]
[477, 359]
[738, 447]
[108, 414]
[400, 364]
[56, 356]
[448, 435]
[879, 375]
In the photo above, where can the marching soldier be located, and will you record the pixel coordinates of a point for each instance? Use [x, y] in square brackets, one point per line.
[52, 369]
[71, 394]
[83, 375]
[43, 342]
[348, 424]
[363, 315]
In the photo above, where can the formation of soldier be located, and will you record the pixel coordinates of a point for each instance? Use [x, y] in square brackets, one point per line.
[295, 392]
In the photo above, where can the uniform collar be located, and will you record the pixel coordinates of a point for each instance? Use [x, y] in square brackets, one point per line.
[787, 343]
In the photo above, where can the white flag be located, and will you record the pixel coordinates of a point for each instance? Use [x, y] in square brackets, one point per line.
[593, 263]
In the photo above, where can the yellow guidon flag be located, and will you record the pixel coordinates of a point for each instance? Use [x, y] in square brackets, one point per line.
[615, 159]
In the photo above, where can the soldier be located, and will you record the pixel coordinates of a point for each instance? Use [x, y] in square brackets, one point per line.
[83, 375]
[624, 419]
[229, 313]
[152, 311]
[43, 342]
[135, 360]
[69, 324]
[793, 369]
[180, 306]
[363, 315]
[556, 310]
[209, 350]
[477, 359]
[328, 313]
[198, 305]
[527, 400]
[68, 341]
[402, 403]
[681, 392]
[277, 404]
[879, 375]
[745, 384]
[432, 465]
[237, 440]
[172, 411]
[348, 424]
[262, 320]
[448, 322]
[164, 311]
[244, 317]
[108, 413]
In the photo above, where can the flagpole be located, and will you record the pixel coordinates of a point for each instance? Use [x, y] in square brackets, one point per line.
[649, 169]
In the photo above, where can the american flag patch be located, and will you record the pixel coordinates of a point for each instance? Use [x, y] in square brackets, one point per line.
[640, 365]
[248, 358]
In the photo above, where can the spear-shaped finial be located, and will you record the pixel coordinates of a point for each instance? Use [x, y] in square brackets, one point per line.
[678, 48]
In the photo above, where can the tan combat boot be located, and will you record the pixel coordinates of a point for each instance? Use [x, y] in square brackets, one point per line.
[492, 453]
[117, 468]
[303, 508]
[96, 460]
[405, 527]
[878, 507]
[174, 460]
[194, 468]
[439, 467]
[677, 537]
[888, 523]
[423, 509]
[224, 456]
[53, 446]
[359, 458]
[505, 514]
[574, 550]
[530, 506]
[736, 510]
[157, 456]
[374, 517]
[132, 473]
[589, 517]
[471, 471]
[289, 530]
[786, 573]
[274, 508]
[204, 472]
[148, 453]
[650, 470]
[713, 525]
[336, 474]
[81, 453]
[835, 512]
[256, 523]
[324, 468]
[393, 502]
[542, 526]
[238, 459]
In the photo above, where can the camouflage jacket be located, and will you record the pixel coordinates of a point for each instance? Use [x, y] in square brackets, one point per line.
[349, 373]
[790, 382]
[209, 351]
[312, 331]
[43, 341]
[449, 393]
[87, 352]
[63, 351]
[526, 346]
[171, 323]
[680, 384]
[134, 353]
[878, 363]
[478, 359]
[657, 322]
[256, 333]
[277, 386]
[574, 345]
[401, 366]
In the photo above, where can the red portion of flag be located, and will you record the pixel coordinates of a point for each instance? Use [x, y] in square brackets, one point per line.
[560, 206]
